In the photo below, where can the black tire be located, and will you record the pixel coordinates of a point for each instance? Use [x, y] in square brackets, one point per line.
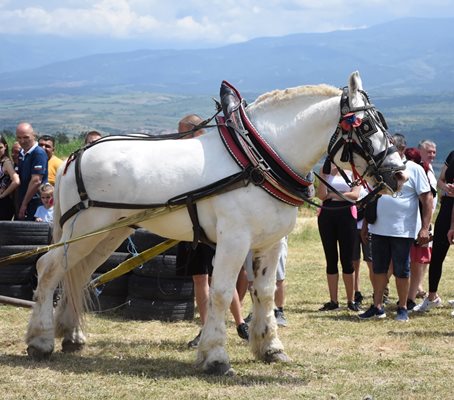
[24, 232]
[115, 287]
[17, 273]
[113, 261]
[9, 250]
[23, 291]
[162, 266]
[143, 240]
[161, 310]
[160, 288]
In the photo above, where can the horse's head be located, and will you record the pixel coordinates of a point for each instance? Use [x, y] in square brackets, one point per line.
[362, 143]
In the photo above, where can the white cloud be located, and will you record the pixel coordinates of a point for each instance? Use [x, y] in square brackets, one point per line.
[202, 22]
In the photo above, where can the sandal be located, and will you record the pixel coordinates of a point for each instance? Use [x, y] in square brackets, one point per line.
[421, 294]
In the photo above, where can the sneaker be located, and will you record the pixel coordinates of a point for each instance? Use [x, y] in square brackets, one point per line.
[358, 298]
[194, 343]
[330, 306]
[280, 318]
[410, 305]
[243, 331]
[402, 314]
[452, 313]
[427, 304]
[248, 319]
[451, 303]
[373, 312]
[353, 306]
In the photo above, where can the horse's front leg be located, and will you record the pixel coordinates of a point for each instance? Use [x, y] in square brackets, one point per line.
[263, 337]
[40, 332]
[212, 356]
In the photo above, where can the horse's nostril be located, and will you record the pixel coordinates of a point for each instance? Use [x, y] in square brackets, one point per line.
[401, 176]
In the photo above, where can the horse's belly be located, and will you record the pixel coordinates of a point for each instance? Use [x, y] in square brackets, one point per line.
[249, 213]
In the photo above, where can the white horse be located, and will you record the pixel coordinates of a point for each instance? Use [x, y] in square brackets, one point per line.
[297, 123]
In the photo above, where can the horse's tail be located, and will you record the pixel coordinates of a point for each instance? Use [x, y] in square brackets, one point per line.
[75, 298]
[73, 287]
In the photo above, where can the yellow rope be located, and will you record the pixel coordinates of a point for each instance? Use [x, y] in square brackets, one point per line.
[132, 263]
[133, 219]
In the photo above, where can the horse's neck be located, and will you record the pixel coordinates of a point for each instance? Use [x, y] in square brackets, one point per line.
[299, 133]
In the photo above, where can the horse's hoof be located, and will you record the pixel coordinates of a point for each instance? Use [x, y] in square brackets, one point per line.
[219, 368]
[68, 346]
[276, 356]
[37, 354]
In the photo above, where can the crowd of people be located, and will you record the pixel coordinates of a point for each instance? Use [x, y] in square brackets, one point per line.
[395, 234]
[27, 175]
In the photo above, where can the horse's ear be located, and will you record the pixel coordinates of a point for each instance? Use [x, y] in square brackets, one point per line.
[355, 83]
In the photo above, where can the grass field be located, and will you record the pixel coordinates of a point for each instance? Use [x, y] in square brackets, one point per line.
[335, 356]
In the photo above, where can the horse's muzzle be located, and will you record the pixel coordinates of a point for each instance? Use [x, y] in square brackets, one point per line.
[394, 180]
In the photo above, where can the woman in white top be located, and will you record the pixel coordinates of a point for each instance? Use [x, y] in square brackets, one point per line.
[337, 227]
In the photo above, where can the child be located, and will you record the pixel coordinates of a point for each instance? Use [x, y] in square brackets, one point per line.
[45, 213]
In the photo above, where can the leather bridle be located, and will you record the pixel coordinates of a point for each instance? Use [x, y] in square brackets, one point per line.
[363, 128]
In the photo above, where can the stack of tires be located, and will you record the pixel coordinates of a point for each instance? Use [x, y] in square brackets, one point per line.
[155, 291]
[152, 291]
[18, 279]
[112, 294]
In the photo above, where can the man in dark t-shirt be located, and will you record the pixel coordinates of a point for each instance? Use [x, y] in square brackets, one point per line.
[32, 171]
[442, 226]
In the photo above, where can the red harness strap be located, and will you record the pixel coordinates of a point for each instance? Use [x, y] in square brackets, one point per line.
[246, 158]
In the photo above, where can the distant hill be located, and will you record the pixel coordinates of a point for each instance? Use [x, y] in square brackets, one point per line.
[405, 56]
[407, 67]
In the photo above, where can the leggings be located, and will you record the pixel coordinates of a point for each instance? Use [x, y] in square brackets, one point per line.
[440, 244]
[337, 226]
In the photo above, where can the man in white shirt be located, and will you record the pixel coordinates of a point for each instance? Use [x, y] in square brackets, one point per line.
[398, 224]
[428, 150]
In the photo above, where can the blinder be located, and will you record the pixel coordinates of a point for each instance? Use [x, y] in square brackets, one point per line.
[364, 128]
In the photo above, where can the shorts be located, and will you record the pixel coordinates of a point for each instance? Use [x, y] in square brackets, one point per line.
[360, 246]
[420, 254]
[396, 249]
[198, 261]
[280, 272]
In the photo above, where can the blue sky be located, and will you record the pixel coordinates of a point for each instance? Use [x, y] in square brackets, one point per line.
[200, 23]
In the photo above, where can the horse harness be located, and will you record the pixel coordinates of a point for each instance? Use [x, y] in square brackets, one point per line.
[260, 164]
[250, 150]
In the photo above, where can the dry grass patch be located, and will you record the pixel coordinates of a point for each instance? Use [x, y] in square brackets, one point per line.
[335, 356]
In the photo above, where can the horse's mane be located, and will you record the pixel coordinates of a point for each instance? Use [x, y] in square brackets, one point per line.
[290, 93]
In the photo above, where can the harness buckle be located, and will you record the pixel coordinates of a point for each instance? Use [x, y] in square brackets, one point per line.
[257, 176]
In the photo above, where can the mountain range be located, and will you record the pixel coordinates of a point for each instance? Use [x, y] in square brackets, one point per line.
[402, 57]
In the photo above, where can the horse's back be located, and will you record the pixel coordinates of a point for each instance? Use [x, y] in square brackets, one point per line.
[131, 171]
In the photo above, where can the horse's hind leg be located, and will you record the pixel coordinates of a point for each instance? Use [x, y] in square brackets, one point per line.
[75, 294]
[71, 267]
[263, 337]
[40, 332]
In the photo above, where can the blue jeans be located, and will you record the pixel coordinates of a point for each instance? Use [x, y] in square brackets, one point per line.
[388, 248]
